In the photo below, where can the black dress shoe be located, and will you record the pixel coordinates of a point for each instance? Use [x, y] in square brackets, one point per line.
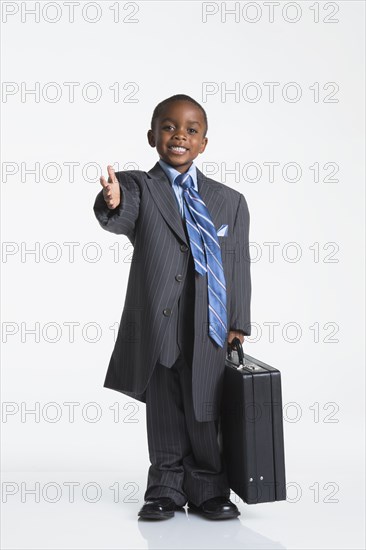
[216, 508]
[158, 508]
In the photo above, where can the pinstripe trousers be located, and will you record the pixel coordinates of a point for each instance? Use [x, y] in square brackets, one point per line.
[185, 455]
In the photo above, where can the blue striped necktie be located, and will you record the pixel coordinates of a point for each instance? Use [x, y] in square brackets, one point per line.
[206, 253]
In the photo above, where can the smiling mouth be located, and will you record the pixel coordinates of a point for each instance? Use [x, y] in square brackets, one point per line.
[177, 150]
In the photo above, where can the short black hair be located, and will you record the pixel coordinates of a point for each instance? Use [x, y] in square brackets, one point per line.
[178, 97]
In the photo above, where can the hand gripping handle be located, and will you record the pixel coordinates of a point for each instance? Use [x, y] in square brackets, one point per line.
[236, 344]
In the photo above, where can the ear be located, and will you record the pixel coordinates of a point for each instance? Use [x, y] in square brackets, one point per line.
[151, 138]
[203, 145]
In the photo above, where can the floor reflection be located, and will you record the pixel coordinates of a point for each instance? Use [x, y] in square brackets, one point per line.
[189, 530]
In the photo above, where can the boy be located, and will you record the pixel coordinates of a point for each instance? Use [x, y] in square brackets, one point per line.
[188, 296]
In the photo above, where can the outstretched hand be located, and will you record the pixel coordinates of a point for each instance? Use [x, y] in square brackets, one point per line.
[111, 189]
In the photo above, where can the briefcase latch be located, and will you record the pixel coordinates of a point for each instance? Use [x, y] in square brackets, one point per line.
[250, 366]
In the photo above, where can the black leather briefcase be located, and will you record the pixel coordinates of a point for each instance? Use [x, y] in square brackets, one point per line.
[251, 428]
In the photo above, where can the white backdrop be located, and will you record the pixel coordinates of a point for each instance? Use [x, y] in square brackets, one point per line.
[283, 87]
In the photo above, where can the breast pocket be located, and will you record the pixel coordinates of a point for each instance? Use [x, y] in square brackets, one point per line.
[223, 230]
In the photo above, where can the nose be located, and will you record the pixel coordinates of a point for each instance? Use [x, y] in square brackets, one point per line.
[179, 134]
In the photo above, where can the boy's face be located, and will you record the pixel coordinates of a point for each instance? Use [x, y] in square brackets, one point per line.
[178, 134]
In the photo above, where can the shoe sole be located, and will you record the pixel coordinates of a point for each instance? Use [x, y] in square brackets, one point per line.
[156, 515]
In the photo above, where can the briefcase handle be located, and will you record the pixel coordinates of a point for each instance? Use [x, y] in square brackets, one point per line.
[236, 344]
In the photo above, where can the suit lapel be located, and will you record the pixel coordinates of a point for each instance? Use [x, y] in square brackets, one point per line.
[164, 197]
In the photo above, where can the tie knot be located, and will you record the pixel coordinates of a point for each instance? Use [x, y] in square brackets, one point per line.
[184, 180]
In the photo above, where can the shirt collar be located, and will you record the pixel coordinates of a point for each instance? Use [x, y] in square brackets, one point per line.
[172, 173]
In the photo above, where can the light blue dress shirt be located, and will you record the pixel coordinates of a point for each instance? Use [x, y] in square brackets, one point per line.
[172, 173]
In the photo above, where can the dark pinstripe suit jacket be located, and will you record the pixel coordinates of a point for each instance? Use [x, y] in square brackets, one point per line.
[148, 215]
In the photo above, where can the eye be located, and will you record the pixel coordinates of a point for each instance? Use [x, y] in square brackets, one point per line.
[168, 127]
[193, 130]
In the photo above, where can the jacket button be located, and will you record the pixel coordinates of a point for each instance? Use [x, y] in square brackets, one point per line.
[179, 278]
[167, 311]
[183, 248]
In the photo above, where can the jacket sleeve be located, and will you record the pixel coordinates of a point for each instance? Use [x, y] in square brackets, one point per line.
[241, 288]
[120, 220]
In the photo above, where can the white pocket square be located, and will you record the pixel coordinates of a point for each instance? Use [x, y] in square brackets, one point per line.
[222, 232]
